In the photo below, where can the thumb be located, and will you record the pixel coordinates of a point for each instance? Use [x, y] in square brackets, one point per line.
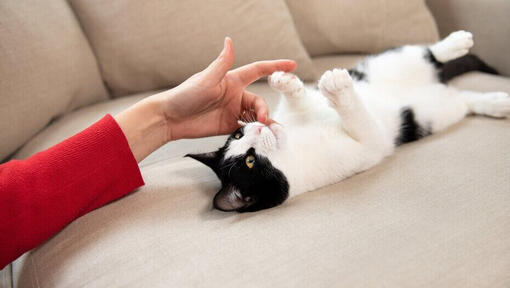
[220, 66]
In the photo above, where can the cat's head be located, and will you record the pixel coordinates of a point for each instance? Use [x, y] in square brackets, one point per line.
[249, 181]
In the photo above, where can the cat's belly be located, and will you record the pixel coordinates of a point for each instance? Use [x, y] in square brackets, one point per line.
[318, 156]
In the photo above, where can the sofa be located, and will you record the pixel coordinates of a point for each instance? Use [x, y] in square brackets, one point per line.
[435, 214]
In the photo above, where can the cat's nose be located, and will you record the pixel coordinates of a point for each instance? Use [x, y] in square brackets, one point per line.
[259, 129]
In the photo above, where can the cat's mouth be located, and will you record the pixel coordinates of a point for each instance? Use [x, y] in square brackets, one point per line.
[266, 140]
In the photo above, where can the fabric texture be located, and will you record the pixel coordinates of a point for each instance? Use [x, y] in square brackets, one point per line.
[42, 194]
[144, 45]
[6, 277]
[340, 26]
[46, 68]
[488, 20]
[435, 214]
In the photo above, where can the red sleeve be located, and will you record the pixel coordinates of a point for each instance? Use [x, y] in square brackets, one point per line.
[42, 194]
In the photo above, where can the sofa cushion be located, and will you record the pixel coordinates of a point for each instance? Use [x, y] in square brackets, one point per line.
[435, 214]
[339, 26]
[487, 20]
[6, 277]
[323, 63]
[46, 68]
[143, 45]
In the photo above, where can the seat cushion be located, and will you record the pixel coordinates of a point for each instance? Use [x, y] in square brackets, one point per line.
[6, 277]
[46, 68]
[435, 214]
[143, 45]
[346, 26]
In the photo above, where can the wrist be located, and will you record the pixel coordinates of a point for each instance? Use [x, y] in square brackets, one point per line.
[145, 127]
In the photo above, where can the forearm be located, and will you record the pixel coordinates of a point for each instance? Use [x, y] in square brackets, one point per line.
[144, 126]
[42, 194]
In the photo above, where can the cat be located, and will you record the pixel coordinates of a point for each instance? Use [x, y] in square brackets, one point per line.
[349, 124]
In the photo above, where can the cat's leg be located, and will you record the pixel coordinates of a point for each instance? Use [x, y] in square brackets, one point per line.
[493, 104]
[356, 120]
[429, 109]
[445, 106]
[456, 45]
[293, 107]
[417, 64]
[289, 85]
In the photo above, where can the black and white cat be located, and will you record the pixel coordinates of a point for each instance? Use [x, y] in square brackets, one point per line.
[350, 123]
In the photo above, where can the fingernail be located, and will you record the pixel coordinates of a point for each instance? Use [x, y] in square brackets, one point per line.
[225, 41]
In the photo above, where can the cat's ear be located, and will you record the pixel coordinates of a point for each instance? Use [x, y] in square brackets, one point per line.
[210, 159]
[230, 199]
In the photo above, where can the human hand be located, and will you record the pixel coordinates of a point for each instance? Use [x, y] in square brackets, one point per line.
[211, 101]
[208, 103]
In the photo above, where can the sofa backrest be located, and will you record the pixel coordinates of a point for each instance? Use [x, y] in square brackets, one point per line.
[361, 26]
[152, 44]
[489, 22]
[46, 68]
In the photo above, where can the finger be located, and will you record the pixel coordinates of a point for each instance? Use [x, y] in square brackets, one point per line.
[252, 72]
[220, 66]
[258, 104]
[270, 121]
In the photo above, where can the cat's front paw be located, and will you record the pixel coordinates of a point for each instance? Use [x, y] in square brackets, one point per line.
[456, 45]
[287, 83]
[334, 83]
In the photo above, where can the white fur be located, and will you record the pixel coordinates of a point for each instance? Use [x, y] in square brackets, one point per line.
[348, 126]
[452, 47]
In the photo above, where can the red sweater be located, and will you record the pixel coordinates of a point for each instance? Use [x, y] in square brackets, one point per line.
[44, 193]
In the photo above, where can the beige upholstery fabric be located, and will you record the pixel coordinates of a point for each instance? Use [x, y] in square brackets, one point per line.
[324, 63]
[46, 68]
[80, 119]
[143, 45]
[435, 214]
[339, 26]
[5, 277]
[488, 20]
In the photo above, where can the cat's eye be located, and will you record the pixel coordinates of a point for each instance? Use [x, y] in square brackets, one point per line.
[238, 135]
[250, 161]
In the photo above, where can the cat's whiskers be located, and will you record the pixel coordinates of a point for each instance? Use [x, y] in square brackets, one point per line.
[248, 117]
[230, 169]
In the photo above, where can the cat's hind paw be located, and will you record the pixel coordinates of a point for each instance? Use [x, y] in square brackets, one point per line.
[493, 104]
[286, 83]
[456, 45]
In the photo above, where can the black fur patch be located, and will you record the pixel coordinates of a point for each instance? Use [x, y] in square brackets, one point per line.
[245, 189]
[464, 64]
[451, 69]
[432, 59]
[410, 130]
[357, 74]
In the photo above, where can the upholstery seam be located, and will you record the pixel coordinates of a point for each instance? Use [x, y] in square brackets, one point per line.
[12, 275]
[109, 90]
